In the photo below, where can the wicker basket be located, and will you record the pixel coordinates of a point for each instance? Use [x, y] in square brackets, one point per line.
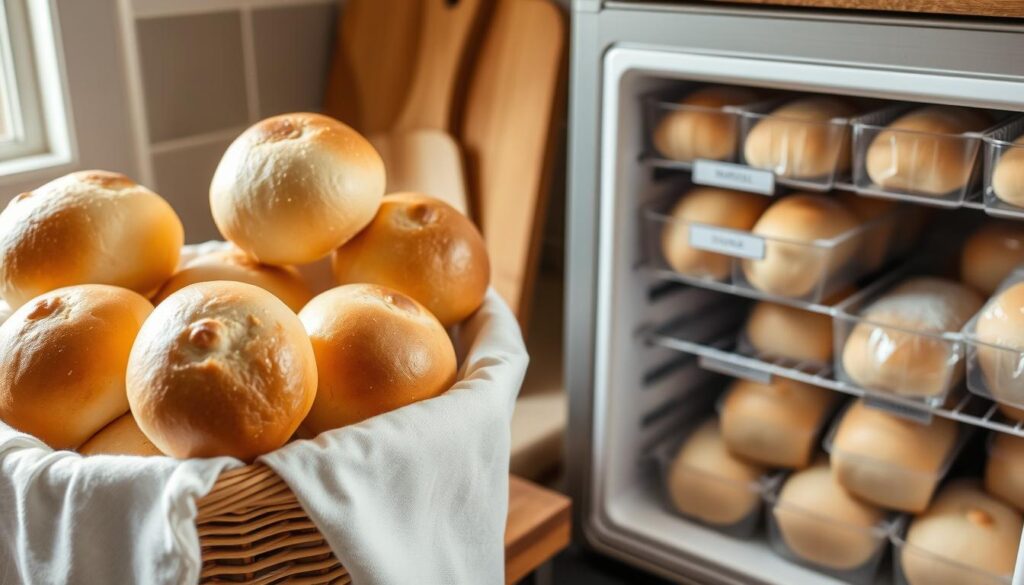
[253, 530]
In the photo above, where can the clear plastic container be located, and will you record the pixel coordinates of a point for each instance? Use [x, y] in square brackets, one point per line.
[956, 572]
[947, 166]
[860, 343]
[805, 154]
[826, 265]
[725, 488]
[996, 370]
[832, 533]
[1004, 170]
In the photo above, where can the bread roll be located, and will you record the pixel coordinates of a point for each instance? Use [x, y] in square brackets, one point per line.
[1004, 473]
[707, 205]
[235, 265]
[883, 354]
[700, 131]
[890, 461]
[63, 357]
[1008, 174]
[89, 227]
[121, 437]
[797, 141]
[1001, 324]
[294, 187]
[775, 424]
[221, 368]
[423, 248]
[793, 266]
[965, 538]
[789, 332]
[877, 241]
[922, 151]
[991, 254]
[376, 350]
[821, 523]
[706, 482]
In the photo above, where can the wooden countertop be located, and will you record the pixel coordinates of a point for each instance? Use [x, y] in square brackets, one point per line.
[539, 526]
[1001, 8]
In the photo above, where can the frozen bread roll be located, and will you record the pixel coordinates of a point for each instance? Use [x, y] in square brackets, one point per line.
[1004, 472]
[63, 357]
[701, 130]
[797, 140]
[284, 282]
[1008, 174]
[1000, 329]
[922, 152]
[990, 255]
[121, 437]
[710, 206]
[891, 461]
[794, 264]
[895, 347]
[89, 227]
[294, 187]
[424, 248]
[221, 368]
[707, 482]
[376, 350]
[966, 537]
[775, 424]
[789, 332]
[821, 523]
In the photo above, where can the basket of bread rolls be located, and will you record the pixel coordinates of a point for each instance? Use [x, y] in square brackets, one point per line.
[323, 397]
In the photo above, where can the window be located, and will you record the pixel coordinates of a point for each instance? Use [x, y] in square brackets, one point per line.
[33, 128]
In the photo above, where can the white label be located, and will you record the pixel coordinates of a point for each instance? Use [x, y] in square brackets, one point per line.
[732, 176]
[728, 242]
[735, 370]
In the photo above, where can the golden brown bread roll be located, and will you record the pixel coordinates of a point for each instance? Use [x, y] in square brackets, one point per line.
[712, 206]
[63, 358]
[376, 350]
[797, 141]
[1008, 174]
[89, 227]
[793, 266]
[789, 332]
[991, 254]
[968, 528]
[884, 355]
[775, 424]
[235, 265]
[221, 368]
[821, 523]
[890, 461]
[691, 133]
[922, 152]
[294, 187]
[1001, 324]
[121, 437]
[424, 248]
[707, 482]
[1004, 472]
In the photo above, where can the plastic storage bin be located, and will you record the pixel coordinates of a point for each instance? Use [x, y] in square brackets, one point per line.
[957, 572]
[995, 368]
[1004, 170]
[937, 155]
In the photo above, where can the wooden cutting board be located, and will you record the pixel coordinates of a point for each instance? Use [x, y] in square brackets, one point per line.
[514, 101]
[428, 161]
[373, 62]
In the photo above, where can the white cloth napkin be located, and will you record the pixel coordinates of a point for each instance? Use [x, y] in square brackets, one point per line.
[418, 495]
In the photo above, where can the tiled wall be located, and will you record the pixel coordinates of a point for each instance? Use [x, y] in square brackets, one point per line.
[207, 70]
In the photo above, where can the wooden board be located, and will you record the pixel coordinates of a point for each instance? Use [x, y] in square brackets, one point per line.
[373, 62]
[427, 161]
[539, 526]
[508, 132]
[1002, 8]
